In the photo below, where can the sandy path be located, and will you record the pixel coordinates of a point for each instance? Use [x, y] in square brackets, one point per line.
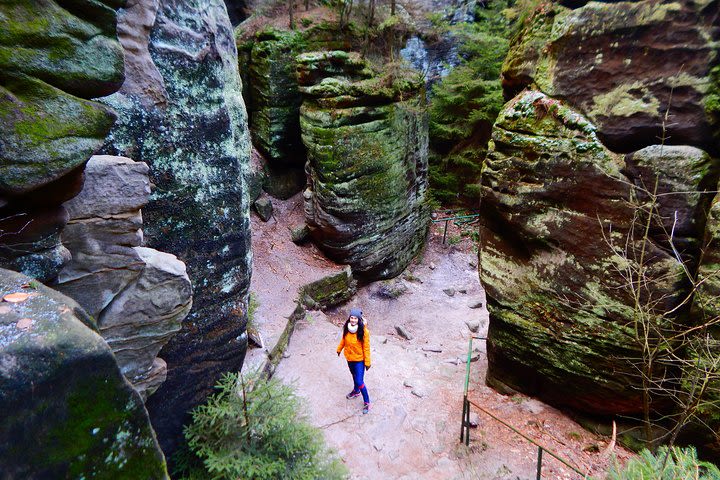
[415, 385]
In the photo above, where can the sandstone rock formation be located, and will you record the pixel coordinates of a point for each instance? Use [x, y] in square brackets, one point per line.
[624, 65]
[67, 410]
[367, 141]
[563, 217]
[181, 112]
[552, 195]
[54, 56]
[138, 295]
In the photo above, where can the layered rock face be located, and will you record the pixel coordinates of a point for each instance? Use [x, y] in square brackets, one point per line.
[54, 56]
[268, 65]
[576, 162]
[624, 65]
[68, 412]
[181, 112]
[367, 142]
[138, 295]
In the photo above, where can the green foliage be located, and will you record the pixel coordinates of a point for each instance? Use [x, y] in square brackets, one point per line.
[250, 429]
[677, 463]
[465, 104]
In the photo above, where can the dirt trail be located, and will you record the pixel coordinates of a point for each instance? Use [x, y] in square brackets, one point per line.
[415, 385]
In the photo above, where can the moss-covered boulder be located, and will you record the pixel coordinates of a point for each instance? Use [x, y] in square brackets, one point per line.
[560, 235]
[181, 111]
[68, 412]
[54, 57]
[624, 65]
[367, 142]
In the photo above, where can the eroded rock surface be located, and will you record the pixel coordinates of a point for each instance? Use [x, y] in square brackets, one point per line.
[559, 236]
[138, 295]
[367, 142]
[182, 113]
[624, 65]
[68, 412]
[54, 57]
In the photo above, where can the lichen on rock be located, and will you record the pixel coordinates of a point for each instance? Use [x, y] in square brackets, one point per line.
[190, 127]
[558, 236]
[366, 138]
[68, 411]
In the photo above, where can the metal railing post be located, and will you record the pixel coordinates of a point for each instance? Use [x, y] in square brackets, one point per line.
[539, 463]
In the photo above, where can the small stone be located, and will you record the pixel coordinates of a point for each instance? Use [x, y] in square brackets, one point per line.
[475, 303]
[382, 340]
[473, 325]
[402, 332]
[432, 349]
[391, 290]
[432, 266]
[285, 355]
[438, 449]
[474, 420]
[408, 383]
[473, 358]
[463, 290]
[255, 338]
[299, 233]
[454, 361]
[450, 292]
[419, 392]
[264, 208]
[473, 264]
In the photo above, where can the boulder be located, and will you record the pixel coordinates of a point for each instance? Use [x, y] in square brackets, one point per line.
[145, 315]
[181, 111]
[366, 137]
[105, 224]
[683, 179]
[558, 237]
[624, 65]
[264, 208]
[299, 233]
[138, 295]
[54, 58]
[68, 411]
[331, 290]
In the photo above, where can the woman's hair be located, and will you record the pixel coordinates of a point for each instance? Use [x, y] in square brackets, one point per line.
[361, 329]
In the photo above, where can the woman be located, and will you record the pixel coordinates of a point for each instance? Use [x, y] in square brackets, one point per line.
[356, 343]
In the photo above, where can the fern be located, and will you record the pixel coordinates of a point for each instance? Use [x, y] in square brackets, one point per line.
[674, 464]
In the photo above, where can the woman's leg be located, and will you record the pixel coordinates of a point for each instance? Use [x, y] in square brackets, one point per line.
[355, 392]
[358, 373]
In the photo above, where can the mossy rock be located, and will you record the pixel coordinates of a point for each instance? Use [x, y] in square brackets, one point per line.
[69, 412]
[53, 57]
[556, 217]
[624, 69]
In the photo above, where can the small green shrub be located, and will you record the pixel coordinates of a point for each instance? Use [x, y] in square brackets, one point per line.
[680, 463]
[250, 429]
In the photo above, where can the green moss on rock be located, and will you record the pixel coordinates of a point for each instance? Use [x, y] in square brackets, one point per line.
[69, 412]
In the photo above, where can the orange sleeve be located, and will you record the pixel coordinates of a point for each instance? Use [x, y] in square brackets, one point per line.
[342, 344]
[366, 347]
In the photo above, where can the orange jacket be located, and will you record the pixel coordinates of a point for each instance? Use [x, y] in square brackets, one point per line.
[354, 350]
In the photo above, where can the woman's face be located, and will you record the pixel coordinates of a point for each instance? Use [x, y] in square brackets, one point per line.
[353, 320]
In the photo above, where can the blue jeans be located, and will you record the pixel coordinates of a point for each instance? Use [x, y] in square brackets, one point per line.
[357, 369]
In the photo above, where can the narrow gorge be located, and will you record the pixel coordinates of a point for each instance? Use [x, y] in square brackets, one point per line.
[193, 194]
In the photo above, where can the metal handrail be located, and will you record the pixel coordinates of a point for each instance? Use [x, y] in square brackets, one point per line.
[465, 424]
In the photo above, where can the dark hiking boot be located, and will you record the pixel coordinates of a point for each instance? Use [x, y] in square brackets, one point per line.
[366, 408]
[353, 394]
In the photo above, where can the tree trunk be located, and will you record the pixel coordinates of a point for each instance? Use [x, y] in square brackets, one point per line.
[291, 8]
